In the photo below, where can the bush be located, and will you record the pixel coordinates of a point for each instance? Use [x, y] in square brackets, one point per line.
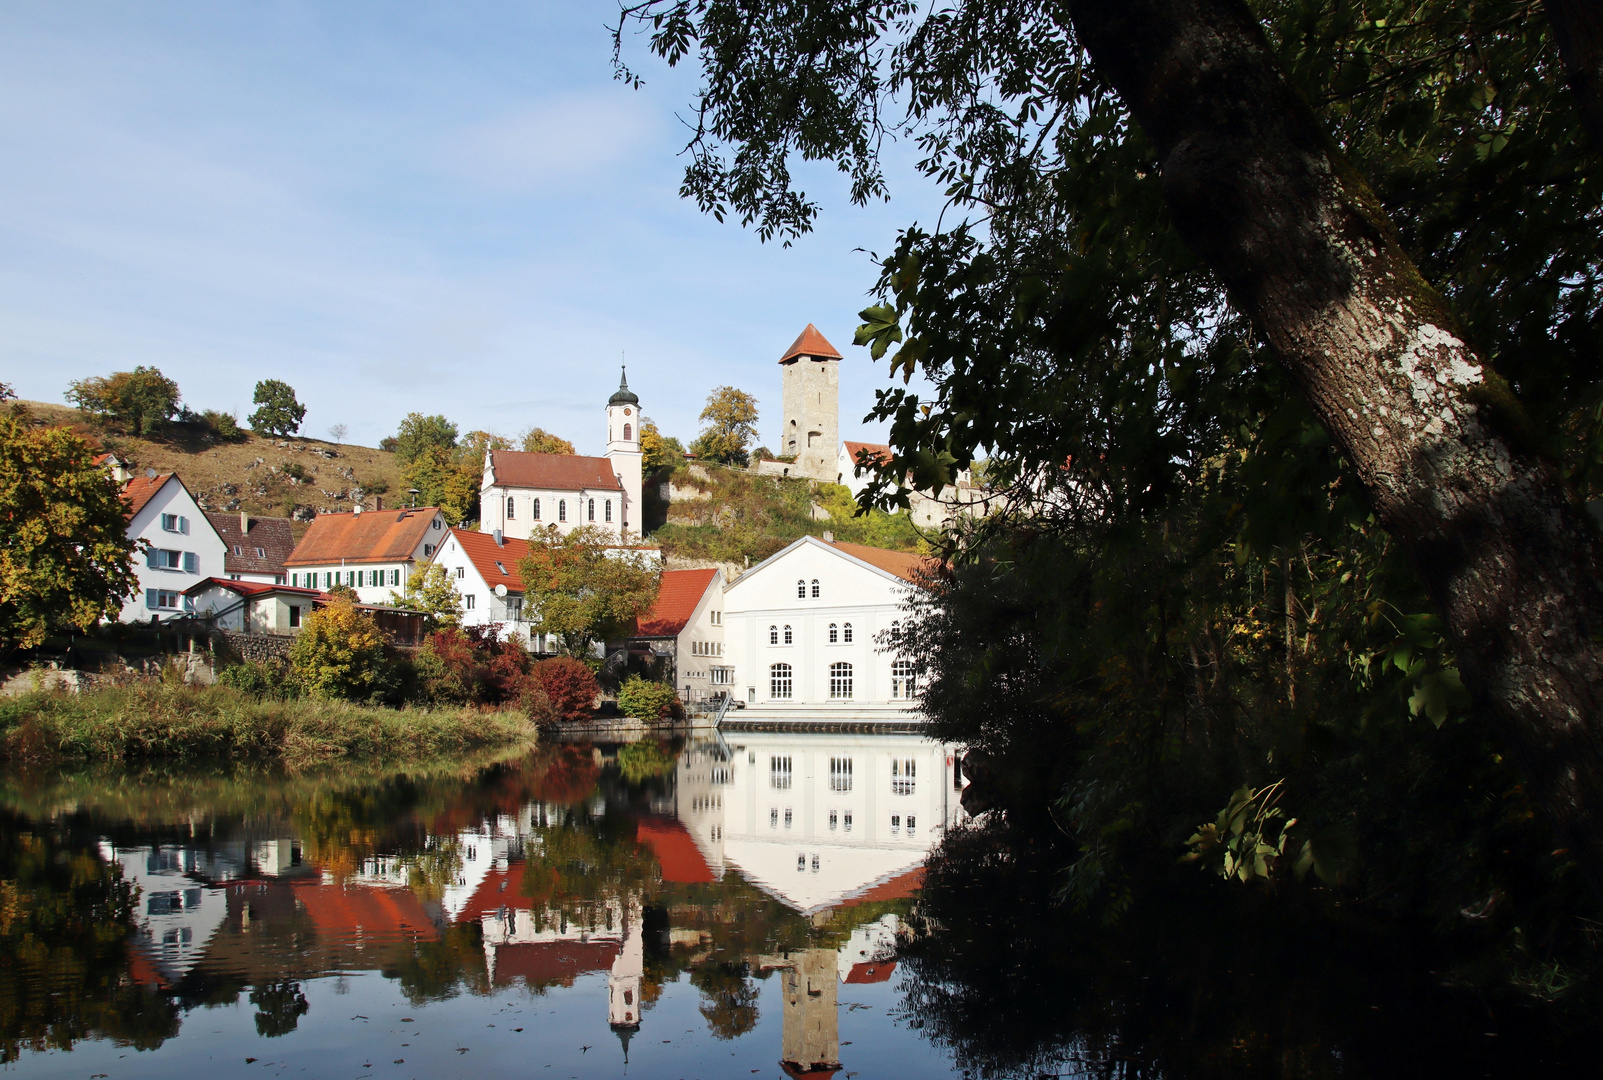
[569, 685]
[222, 426]
[474, 665]
[646, 700]
[340, 653]
[259, 679]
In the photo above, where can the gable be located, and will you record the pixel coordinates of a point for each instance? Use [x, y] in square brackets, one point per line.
[847, 575]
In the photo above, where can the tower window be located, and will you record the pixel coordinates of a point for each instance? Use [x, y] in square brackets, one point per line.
[626, 432]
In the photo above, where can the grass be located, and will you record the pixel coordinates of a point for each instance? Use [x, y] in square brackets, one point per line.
[751, 516]
[156, 721]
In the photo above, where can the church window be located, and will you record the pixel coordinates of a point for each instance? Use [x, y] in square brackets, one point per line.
[537, 509]
[562, 509]
[512, 510]
[609, 509]
[626, 432]
[592, 509]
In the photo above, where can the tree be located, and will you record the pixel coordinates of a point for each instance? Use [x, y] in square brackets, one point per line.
[142, 400]
[1162, 201]
[277, 412]
[429, 590]
[582, 589]
[540, 441]
[419, 434]
[339, 652]
[731, 419]
[337, 432]
[66, 559]
[657, 451]
[568, 685]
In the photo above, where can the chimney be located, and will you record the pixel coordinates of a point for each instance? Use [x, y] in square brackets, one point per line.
[357, 509]
[498, 541]
[829, 537]
[378, 502]
[244, 523]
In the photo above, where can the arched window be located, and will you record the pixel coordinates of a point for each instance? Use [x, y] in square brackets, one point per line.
[537, 509]
[801, 590]
[846, 633]
[773, 635]
[779, 682]
[815, 588]
[788, 639]
[904, 679]
[562, 509]
[840, 680]
[609, 509]
[511, 509]
[834, 633]
[626, 431]
[592, 516]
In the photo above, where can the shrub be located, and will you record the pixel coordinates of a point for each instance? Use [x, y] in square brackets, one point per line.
[643, 760]
[646, 700]
[475, 665]
[259, 679]
[340, 653]
[570, 686]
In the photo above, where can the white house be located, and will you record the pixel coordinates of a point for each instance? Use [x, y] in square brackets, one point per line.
[184, 547]
[483, 567]
[686, 624]
[928, 511]
[524, 492]
[803, 632]
[252, 607]
[373, 552]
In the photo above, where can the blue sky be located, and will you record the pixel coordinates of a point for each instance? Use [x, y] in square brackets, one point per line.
[393, 207]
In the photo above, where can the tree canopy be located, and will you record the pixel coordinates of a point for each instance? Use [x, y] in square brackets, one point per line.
[142, 400]
[277, 412]
[419, 434]
[581, 588]
[540, 441]
[730, 419]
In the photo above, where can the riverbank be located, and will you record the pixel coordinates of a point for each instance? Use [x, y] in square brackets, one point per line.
[159, 721]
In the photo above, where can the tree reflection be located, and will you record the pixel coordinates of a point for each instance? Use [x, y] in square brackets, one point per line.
[279, 1007]
[729, 998]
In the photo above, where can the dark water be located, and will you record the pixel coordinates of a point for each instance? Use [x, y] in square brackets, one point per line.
[756, 906]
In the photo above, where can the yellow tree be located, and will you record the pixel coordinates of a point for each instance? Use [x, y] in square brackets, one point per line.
[339, 653]
[731, 419]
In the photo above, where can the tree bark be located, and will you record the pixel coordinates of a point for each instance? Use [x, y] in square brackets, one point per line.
[1578, 30]
[1262, 195]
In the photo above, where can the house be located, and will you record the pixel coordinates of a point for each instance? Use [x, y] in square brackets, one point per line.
[686, 625]
[252, 607]
[183, 547]
[373, 552]
[806, 631]
[484, 569]
[523, 492]
[255, 548]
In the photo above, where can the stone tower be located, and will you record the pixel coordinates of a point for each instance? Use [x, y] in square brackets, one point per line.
[812, 405]
[623, 450]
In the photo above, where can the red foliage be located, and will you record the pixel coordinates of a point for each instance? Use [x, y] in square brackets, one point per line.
[489, 670]
[570, 686]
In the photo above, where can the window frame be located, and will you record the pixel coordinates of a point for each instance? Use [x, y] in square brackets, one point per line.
[841, 680]
[781, 682]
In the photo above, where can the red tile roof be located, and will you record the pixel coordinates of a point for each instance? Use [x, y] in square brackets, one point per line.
[481, 551]
[545, 963]
[252, 588]
[377, 912]
[139, 490]
[810, 343]
[275, 536]
[874, 449]
[559, 472]
[376, 536]
[871, 973]
[905, 565]
[681, 591]
[899, 887]
[676, 852]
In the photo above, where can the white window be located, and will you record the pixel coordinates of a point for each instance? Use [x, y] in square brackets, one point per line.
[261, 553]
[717, 617]
[239, 549]
[467, 601]
[461, 572]
[515, 608]
[592, 512]
[562, 509]
[788, 637]
[779, 774]
[779, 682]
[904, 679]
[723, 676]
[896, 824]
[773, 817]
[902, 776]
[787, 817]
[833, 820]
[840, 775]
[537, 509]
[846, 633]
[912, 823]
[815, 588]
[428, 550]
[801, 590]
[166, 600]
[512, 510]
[436, 523]
[834, 633]
[846, 821]
[773, 635]
[609, 509]
[840, 680]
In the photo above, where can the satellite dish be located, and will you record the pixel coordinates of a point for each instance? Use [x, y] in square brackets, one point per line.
[500, 590]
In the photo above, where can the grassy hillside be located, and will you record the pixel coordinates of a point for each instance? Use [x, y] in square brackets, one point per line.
[749, 516]
[262, 476]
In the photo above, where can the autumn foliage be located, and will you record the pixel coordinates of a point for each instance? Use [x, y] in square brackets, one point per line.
[569, 685]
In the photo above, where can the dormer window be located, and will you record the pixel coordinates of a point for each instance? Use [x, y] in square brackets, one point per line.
[239, 549]
[261, 553]
[501, 567]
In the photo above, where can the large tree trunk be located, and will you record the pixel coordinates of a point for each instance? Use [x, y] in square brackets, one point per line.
[1578, 29]
[1261, 194]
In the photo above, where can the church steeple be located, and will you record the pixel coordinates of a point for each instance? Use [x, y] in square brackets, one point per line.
[624, 395]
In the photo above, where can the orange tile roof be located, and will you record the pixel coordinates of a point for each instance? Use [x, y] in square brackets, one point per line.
[676, 852]
[139, 490]
[376, 536]
[874, 449]
[879, 971]
[481, 551]
[899, 887]
[377, 912]
[681, 591]
[559, 472]
[547, 963]
[905, 565]
[810, 343]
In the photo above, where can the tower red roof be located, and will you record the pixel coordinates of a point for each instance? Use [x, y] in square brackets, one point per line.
[810, 343]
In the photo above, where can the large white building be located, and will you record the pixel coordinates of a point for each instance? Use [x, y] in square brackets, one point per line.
[184, 549]
[808, 631]
[521, 493]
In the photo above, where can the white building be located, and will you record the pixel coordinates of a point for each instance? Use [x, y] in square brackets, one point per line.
[806, 630]
[686, 625]
[184, 548]
[251, 607]
[483, 567]
[853, 468]
[524, 492]
[373, 552]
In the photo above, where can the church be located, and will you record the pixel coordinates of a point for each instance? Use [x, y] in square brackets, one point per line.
[522, 493]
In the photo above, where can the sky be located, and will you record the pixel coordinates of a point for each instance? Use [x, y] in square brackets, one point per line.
[396, 207]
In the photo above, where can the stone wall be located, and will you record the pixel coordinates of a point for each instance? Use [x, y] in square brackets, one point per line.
[271, 647]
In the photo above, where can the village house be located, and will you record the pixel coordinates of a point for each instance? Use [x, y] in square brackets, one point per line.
[483, 568]
[373, 553]
[856, 460]
[803, 631]
[255, 548]
[252, 607]
[523, 492]
[184, 548]
[686, 627]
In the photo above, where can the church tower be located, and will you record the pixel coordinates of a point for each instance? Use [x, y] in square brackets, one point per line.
[812, 405]
[623, 450]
